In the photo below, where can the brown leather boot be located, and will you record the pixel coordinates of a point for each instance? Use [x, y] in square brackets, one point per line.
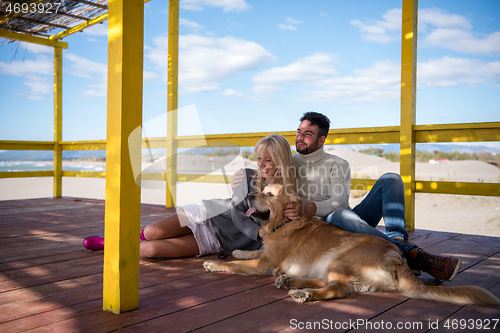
[444, 268]
[415, 271]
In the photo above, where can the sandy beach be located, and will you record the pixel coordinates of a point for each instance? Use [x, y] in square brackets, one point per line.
[453, 213]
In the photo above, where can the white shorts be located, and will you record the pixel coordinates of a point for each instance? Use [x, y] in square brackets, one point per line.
[202, 229]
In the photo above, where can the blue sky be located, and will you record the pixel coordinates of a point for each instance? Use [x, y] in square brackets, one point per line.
[252, 66]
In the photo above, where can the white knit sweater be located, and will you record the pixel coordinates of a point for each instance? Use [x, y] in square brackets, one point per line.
[323, 179]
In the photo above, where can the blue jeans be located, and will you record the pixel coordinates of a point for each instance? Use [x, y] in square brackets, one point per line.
[385, 199]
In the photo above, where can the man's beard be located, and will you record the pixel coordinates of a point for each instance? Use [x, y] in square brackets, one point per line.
[307, 150]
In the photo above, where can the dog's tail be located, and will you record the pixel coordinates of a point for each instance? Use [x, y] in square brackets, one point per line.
[411, 286]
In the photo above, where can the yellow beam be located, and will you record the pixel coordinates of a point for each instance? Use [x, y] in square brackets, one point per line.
[172, 89]
[26, 145]
[123, 196]
[389, 134]
[470, 132]
[461, 188]
[84, 145]
[57, 164]
[84, 174]
[31, 39]
[26, 174]
[219, 179]
[408, 105]
[80, 27]
[353, 137]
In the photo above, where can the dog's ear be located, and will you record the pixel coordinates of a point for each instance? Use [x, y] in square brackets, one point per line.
[298, 204]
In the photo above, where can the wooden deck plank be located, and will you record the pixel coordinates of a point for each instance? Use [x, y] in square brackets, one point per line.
[481, 316]
[48, 282]
[161, 305]
[425, 314]
[64, 306]
[287, 315]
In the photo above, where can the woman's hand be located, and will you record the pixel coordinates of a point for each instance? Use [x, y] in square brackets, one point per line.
[237, 179]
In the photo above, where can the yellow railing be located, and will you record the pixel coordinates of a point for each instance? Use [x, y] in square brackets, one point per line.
[125, 28]
[467, 132]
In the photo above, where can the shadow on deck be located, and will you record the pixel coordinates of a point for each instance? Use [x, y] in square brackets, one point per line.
[49, 282]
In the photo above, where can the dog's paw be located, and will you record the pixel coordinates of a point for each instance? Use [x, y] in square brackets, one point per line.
[210, 266]
[240, 254]
[284, 282]
[300, 296]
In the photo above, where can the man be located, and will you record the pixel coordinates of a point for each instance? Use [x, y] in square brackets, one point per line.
[324, 182]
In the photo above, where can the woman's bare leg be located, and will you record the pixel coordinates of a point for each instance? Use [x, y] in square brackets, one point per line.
[177, 247]
[169, 227]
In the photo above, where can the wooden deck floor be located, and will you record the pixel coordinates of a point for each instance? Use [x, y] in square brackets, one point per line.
[49, 282]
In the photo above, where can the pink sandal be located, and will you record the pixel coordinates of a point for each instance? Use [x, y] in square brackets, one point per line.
[141, 235]
[94, 243]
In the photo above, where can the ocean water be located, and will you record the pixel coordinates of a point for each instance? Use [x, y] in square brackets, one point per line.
[47, 166]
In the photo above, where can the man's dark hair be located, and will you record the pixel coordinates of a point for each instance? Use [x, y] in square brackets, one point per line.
[319, 120]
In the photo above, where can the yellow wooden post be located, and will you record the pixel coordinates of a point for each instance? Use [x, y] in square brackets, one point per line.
[173, 60]
[31, 39]
[408, 106]
[122, 213]
[57, 160]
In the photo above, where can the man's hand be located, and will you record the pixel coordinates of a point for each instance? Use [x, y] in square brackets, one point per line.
[237, 179]
[291, 213]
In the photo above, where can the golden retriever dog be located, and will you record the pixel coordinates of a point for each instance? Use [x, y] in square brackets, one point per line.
[317, 261]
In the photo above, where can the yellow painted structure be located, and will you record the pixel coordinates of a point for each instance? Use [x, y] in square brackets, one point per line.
[57, 186]
[408, 104]
[172, 92]
[32, 39]
[123, 196]
[121, 269]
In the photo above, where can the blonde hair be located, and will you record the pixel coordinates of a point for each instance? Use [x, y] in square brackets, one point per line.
[279, 149]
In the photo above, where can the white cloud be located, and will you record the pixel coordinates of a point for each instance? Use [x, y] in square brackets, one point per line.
[190, 24]
[150, 76]
[37, 75]
[454, 32]
[39, 86]
[384, 31]
[204, 62]
[438, 18]
[464, 41]
[35, 48]
[446, 72]
[286, 27]
[226, 5]
[379, 83]
[291, 26]
[307, 69]
[84, 67]
[97, 30]
[232, 93]
[376, 84]
[42, 65]
[292, 21]
[436, 28]
[96, 72]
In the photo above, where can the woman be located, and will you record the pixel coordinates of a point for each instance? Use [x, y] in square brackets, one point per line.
[198, 229]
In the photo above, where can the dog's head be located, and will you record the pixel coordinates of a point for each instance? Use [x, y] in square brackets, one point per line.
[273, 200]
